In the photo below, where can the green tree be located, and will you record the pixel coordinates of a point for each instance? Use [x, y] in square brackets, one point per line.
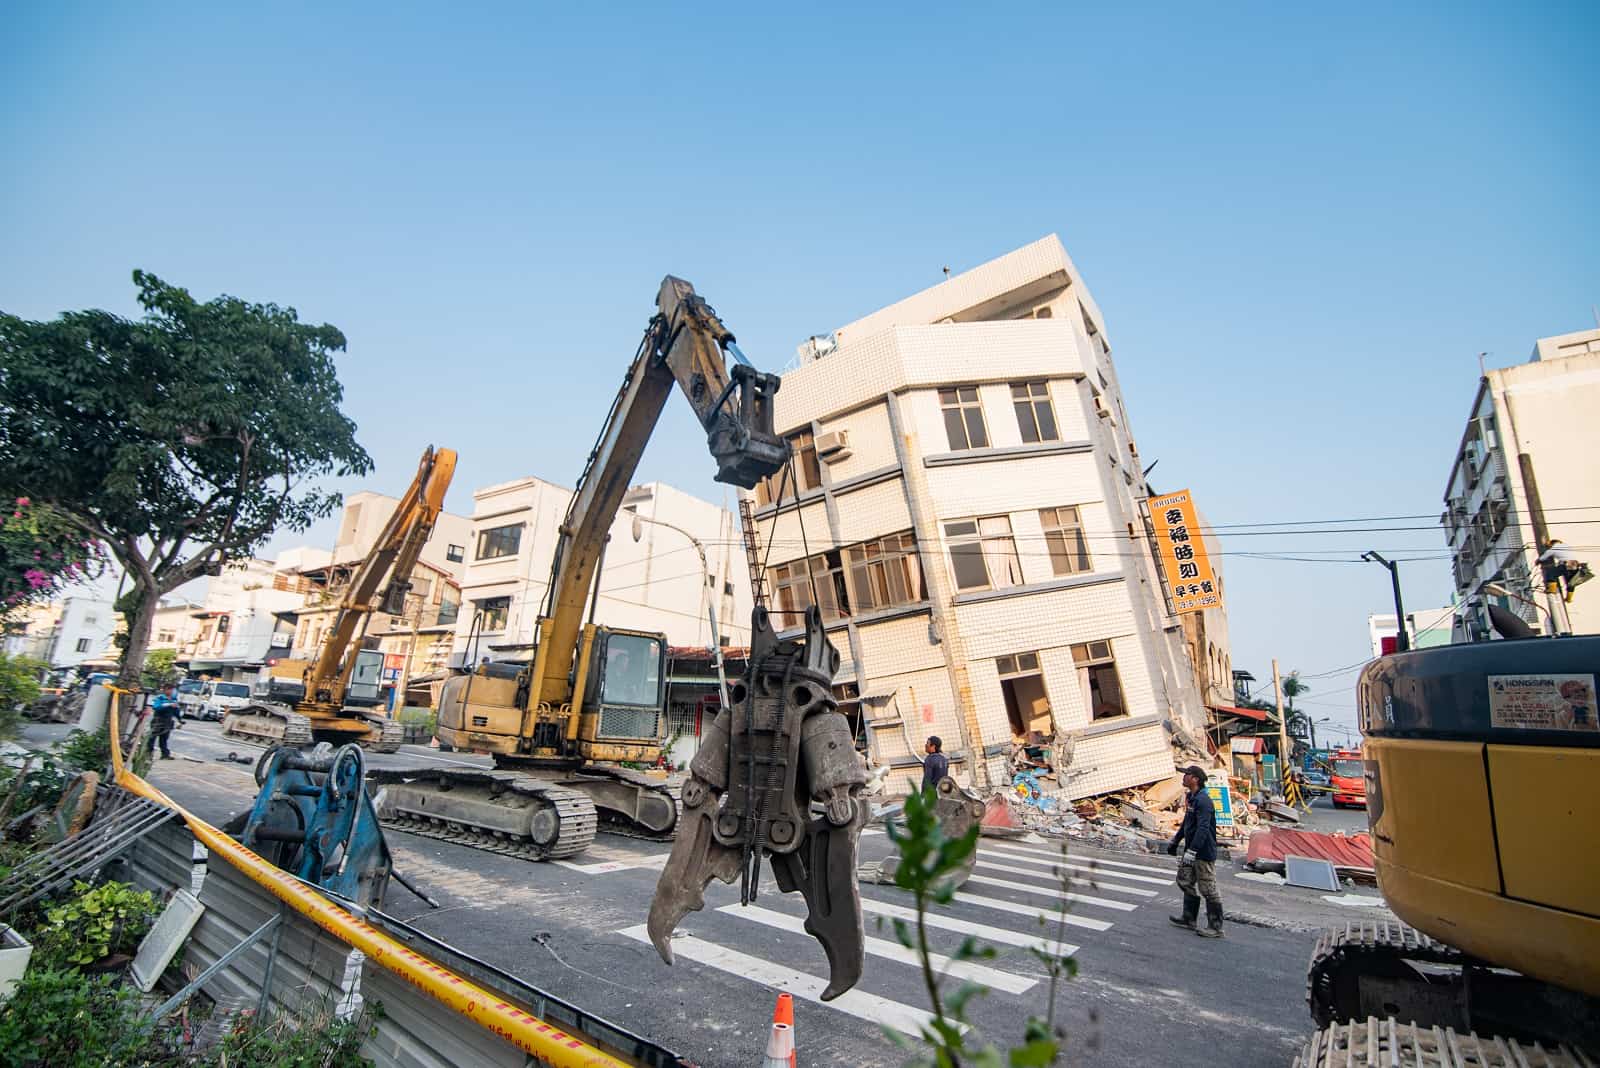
[1293, 686]
[179, 440]
[19, 685]
[158, 669]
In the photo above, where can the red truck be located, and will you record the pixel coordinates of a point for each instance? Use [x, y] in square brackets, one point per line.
[1348, 779]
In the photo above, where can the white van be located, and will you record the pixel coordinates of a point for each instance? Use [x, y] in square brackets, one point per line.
[217, 699]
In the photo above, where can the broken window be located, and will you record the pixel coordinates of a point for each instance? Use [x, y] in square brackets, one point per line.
[884, 572]
[963, 418]
[1036, 418]
[494, 611]
[983, 553]
[1022, 686]
[1064, 537]
[1097, 677]
[797, 588]
[806, 474]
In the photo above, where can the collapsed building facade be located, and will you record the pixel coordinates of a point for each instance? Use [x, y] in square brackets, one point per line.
[967, 509]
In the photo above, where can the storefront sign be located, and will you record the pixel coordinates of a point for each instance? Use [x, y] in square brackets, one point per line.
[1182, 549]
[1221, 798]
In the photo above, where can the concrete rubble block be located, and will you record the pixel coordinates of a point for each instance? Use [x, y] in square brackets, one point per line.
[1166, 794]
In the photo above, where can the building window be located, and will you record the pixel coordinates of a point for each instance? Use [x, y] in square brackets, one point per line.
[1035, 417]
[166, 637]
[1097, 676]
[90, 619]
[449, 608]
[805, 476]
[1022, 684]
[983, 554]
[455, 553]
[795, 590]
[884, 572]
[499, 541]
[963, 418]
[1063, 536]
[493, 611]
[83, 645]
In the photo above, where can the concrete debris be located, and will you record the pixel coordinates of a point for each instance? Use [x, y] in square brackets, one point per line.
[1285, 813]
[1164, 795]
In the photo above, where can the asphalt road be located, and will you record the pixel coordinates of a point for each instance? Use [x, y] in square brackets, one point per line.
[1146, 993]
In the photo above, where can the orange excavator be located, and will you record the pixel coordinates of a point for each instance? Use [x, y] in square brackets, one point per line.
[333, 698]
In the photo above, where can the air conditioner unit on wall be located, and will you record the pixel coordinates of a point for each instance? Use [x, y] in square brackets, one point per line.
[834, 445]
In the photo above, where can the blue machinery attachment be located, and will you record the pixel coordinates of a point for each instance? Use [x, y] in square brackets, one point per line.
[313, 818]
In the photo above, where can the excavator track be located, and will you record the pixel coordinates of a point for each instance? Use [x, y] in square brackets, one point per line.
[267, 725]
[497, 811]
[647, 818]
[1372, 1043]
[391, 733]
[1344, 954]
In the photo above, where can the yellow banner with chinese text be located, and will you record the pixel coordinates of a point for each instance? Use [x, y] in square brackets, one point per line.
[1182, 549]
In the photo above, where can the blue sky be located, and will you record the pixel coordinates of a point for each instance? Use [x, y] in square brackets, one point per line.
[1302, 228]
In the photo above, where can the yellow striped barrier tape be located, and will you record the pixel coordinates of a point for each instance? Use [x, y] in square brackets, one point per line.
[488, 1010]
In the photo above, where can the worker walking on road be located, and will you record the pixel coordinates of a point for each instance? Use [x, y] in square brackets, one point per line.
[1197, 872]
[165, 714]
[935, 765]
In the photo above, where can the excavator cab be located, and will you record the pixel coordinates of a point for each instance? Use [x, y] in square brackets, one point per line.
[624, 693]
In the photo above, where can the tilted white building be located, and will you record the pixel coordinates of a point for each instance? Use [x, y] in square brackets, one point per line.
[969, 496]
[655, 582]
[1525, 465]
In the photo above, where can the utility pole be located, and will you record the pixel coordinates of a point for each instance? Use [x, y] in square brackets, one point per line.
[1283, 728]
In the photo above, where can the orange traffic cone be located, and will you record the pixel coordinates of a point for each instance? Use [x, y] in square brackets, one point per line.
[780, 1047]
[783, 1017]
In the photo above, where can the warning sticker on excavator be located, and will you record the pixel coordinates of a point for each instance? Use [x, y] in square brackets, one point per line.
[1543, 702]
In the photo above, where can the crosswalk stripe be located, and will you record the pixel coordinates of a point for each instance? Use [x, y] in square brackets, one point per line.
[880, 947]
[949, 923]
[1098, 873]
[1045, 891]
[1137, 891]
[1000, 905]
[858, 1003]
[1155, 869]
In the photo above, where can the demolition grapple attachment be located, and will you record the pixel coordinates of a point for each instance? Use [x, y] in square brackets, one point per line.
[776, 776]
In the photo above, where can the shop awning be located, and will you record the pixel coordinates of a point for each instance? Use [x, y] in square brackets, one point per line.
[1247, 713]
[1245, 744]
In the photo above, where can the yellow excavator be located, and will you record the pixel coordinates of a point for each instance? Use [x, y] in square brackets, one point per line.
[561, 727]
[332, 698]
[1482, 761]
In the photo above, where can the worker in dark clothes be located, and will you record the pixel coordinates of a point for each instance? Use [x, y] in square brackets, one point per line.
[935, 765]
[1197, 872]
[165, 714]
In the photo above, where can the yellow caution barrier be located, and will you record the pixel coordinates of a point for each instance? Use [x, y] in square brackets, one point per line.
[489, 1011]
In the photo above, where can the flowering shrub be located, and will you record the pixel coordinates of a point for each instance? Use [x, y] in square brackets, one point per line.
[40, 553]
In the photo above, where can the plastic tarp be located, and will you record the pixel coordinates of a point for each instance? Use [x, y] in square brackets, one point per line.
[1349, 854]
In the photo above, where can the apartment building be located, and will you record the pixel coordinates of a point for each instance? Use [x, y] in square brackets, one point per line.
[239, 624]
[966, 509]
[1523, 478]
[671, 557]
[75, 630]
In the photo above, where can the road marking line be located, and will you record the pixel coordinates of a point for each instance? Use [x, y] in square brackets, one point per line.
[1045, 891]
[607, 866]
[1155, 868]
[999, 905]
[948, 923]
[1137, 891]
[880, 947]
[1099, 873]
[858, 1003]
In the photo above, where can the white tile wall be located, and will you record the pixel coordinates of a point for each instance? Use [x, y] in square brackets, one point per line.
[784, 534]
[1045, 620]
[873, 511]
[871, 443]
[1013, 485]
[916, 693]
[898, 645]
[1115, 761]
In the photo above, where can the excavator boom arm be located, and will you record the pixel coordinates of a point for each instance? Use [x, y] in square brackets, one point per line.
[686, 343]
[394, 554]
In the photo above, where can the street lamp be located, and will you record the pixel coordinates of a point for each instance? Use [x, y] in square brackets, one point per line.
[1402, 640]
[706, 580]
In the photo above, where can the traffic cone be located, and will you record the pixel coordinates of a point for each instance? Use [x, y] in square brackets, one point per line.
[783, 1013]
[780, 1047]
